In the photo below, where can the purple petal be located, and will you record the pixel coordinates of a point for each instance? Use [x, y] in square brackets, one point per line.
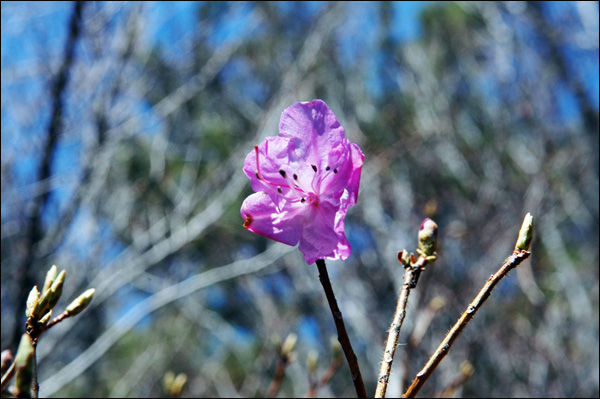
[314, 129]
[261, 217]
[324, 236]
[273, 156]
[346, 163]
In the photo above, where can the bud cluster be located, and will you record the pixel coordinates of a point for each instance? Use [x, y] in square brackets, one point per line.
[38, 310]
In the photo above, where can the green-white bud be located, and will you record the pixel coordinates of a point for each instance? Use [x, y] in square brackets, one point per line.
[80, 303]
[43, 305]
[178, 384]
[525, 234]
[336, 348]
[46, 317]
[32, 301]
[56, 288]
[312, 360]
[50, 277]
[428, 237]
[288, 345]
[404, 257]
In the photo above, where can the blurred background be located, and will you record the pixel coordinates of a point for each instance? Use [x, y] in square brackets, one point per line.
[124, 129]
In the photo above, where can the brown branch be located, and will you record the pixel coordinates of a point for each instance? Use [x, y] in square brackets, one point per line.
[35, 386]
[278, 378]
[325, 378]
[518, 256]
[341, 329]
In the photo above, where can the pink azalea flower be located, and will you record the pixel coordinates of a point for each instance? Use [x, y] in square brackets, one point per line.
[304, 181]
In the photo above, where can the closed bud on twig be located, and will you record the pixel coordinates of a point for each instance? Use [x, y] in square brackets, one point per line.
[428, 237]
[56, 288]
[288, 345]
[43, 304]
[173, 385]
[80, 303]
[404, 257]
[525, 234]
[168, 379]
[32, 301]
[7, 359]
[46, 317]
[50, 277]
[336, 348]
[312, 360]
[50, 297]
[276, 342]
[437, 302]
[24, 367]
[466, 369]
[178, 384]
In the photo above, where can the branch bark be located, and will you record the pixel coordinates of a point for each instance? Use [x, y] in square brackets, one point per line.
[518, 256]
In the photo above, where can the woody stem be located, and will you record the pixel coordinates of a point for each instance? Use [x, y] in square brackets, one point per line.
[510, 263]
[341, 329]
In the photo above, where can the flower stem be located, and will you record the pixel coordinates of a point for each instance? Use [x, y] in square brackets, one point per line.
[518, 256]
[341, 329]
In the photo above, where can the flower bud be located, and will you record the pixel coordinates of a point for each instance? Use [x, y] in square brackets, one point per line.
[404, 257]
[288, 345]
[50, 277]
[312, 360]
[43, 304]
[56, 288]
[32, 301]
[50, 296]
[428, 237]
[46, 317]
[178, 384]
[525, 234]
[24, 367]
[336, 347]
[80, 303]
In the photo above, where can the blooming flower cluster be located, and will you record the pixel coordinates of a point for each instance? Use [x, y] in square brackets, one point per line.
[304, 181]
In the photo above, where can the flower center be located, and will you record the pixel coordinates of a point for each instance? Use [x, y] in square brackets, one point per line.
[297, 192]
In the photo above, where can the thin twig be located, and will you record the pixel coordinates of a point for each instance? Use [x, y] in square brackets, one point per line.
[35, 386]
[518, 256]
[341, 329]
[8, 375]
[325, 378]
[410, 278]
[278, 378]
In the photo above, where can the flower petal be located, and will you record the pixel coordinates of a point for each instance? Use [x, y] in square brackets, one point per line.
[314, 129]
[273, 156]
[261, 217]
[324, 236]
[346, 163]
